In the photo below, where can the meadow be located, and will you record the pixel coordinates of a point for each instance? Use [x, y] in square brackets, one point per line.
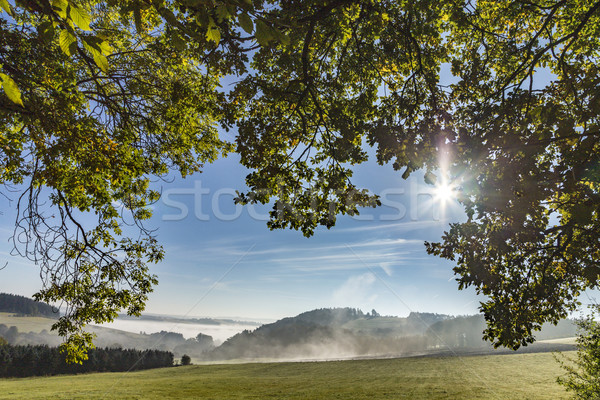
[512, 376]
[26, 324]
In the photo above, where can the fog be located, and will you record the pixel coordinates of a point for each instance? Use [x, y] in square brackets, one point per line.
[323, 334]
[220, 333]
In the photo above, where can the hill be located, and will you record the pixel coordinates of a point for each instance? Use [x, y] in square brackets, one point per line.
[187, 320]
[331, 333]
[337, 333]
[349, 333]
[466, 332]
[24, 321]
[20, 305]
[36, 331]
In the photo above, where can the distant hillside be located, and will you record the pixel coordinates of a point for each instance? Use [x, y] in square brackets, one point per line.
[21, 305]
[180, 320]
[466, 332]
[337, 332]
[348, 332]
[35, 331]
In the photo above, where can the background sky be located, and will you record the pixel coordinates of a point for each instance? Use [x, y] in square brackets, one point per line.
[223, 261]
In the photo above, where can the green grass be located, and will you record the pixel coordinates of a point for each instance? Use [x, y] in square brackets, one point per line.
[38, 324]
[515, 376]
[26, 324]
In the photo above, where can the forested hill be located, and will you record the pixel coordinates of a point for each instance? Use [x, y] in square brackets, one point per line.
[13, 303]
[337, 332]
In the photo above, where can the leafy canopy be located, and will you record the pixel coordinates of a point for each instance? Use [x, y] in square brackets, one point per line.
[582, 371]
[102, 96]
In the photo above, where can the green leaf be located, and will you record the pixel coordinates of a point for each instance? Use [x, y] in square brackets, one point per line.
[430, 178]
[96, 46]
[222, 13]
[6, 7]
[263, 33]
[60, 7]
[406, 173]
[137, 18]
[213, 32]
[46, 31]
[282, 37]
[81, 17]
[178, 42]
[11, 89]
[169, 16]
[102, 62]
[105, 48]
[67, 42]
[246, 22]
[91, 47]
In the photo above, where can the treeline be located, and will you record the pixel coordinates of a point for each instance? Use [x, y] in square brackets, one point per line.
[321, 316]
[165, 341]
[22, 361]
[13, 303]
[467, 331]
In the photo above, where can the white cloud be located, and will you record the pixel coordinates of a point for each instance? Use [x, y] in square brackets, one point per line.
[386, 267]
[399, 226]
[356, 290]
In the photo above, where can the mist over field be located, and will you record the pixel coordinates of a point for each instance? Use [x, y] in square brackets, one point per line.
[322, 334]
[190, 330]
[319, 334]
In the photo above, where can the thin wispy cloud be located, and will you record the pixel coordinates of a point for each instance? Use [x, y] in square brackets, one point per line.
[339, 257]
[304, 257]
[310, 249]
[399, 226]
[386, 267]
[357, 289]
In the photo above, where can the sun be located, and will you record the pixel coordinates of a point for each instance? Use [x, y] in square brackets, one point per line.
[444, 192]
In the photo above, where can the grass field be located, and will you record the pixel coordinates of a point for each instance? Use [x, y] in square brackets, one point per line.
[515, 376]
[38, 324]
[26, 324]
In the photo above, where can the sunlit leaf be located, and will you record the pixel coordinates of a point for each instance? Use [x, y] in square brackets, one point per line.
[80, 17]
[213, 33]
[67, 42]
[102, 62]
[11, 89]
[105, 48]
[6, 7]
[60, 7]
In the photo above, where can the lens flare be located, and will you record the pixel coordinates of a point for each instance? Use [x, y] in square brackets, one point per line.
[444, 192]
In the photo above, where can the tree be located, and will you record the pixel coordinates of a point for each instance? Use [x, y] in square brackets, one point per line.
[90, 116]
[204, 340]
[86, 122]
[583, 372]
[516, 134]
[186, 360]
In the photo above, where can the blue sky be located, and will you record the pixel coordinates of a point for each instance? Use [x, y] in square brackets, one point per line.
[222, 260]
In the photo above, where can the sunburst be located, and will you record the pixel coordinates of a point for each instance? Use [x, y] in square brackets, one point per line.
[445, 192]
